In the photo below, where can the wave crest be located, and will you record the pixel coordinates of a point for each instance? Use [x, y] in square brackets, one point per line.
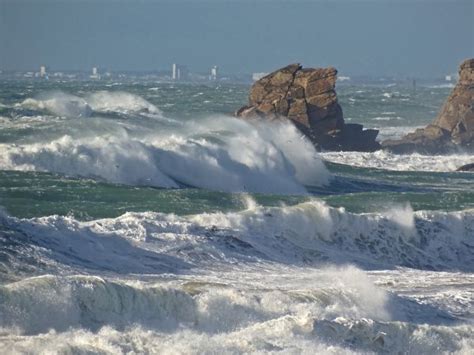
[221, 154]
[310, 232]
[67, 105]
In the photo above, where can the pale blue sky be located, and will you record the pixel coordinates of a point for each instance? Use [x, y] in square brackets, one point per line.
[384, 37]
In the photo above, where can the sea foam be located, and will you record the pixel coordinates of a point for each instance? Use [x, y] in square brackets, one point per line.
[67, 105]
[219, 153]
[250, 280]
[309, 232]
[400, 162]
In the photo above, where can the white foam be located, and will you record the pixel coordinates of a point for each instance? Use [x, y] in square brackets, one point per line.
[330, 310]
[67, 105]
[288, 234]
[120, 101]
[115, 160]
[239, 319]
[387, 118]
[404, 217]
[60, 104]
[219, 154]
[401, 162]
[232, 284]
[287, 335]
[442, 86]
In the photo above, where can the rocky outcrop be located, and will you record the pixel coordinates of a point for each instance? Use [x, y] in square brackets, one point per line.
[467, 167]
[453, 129]
[308, 98]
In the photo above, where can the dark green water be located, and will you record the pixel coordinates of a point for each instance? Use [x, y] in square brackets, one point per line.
[393, 109]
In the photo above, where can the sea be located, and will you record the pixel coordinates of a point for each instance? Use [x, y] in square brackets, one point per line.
[140, 217]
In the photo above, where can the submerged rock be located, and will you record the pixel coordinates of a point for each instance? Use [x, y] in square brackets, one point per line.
[467, 167]
[453, 129]
[307, 97]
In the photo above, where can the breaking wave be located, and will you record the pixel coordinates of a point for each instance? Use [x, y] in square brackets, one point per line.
[308, 233]
[298, 306]
[220, 153]
[67, 105]
[399, 162]
[119, 101]
[60, 104]
[95, 315]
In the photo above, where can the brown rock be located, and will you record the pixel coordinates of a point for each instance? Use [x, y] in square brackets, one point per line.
[308, 98]
[423, 140]
[453, 129]
[298, 107]
[467, 167]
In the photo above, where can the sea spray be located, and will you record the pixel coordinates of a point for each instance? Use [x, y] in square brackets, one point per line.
[92, 302]
[309, 232]
[190, 270]
[222, 154]
[399, 162]
[59, 103]
[68, 105]
[404, 217]
[120, 101]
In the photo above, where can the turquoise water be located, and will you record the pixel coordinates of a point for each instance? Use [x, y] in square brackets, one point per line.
[143, 218]
[391, 109]
[35, 194]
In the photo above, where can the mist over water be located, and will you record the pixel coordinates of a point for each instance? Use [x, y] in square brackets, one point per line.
[142, 217]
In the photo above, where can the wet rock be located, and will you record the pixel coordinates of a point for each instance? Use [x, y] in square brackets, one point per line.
[307, 97]
[467, 167]
[453, 129]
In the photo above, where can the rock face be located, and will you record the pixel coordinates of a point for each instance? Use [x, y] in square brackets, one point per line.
[308, 98]
[453, 129]
[467, 167]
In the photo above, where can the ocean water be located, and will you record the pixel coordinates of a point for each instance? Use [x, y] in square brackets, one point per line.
[140, 217]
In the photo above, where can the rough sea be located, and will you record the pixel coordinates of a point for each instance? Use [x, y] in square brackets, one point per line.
[141, 218]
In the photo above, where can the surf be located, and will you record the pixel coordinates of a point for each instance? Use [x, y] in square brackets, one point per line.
[217, 153]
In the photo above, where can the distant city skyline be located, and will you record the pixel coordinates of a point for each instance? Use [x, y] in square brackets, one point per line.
[385, 38]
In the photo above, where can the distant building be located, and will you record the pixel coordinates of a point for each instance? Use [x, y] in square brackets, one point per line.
[95, 73]
[258, 76]
[183, 72]
[179, 72]
[174, 72]
[214, 73]
[42, 72]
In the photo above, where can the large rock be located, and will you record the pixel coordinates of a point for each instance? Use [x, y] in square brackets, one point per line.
[467, 167]
[453, 129]
[308, 98]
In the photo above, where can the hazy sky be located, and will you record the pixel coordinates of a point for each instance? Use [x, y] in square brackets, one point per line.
[389, 37]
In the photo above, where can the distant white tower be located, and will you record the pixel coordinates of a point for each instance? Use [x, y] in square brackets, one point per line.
[95, 73]
[214, 73]
[42, 71]
[175, 72]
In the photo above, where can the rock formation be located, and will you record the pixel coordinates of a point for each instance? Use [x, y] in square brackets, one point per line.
[453, 129]
[308, 98]
[467, 167]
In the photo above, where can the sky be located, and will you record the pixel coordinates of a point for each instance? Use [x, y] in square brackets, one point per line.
[412, 38]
